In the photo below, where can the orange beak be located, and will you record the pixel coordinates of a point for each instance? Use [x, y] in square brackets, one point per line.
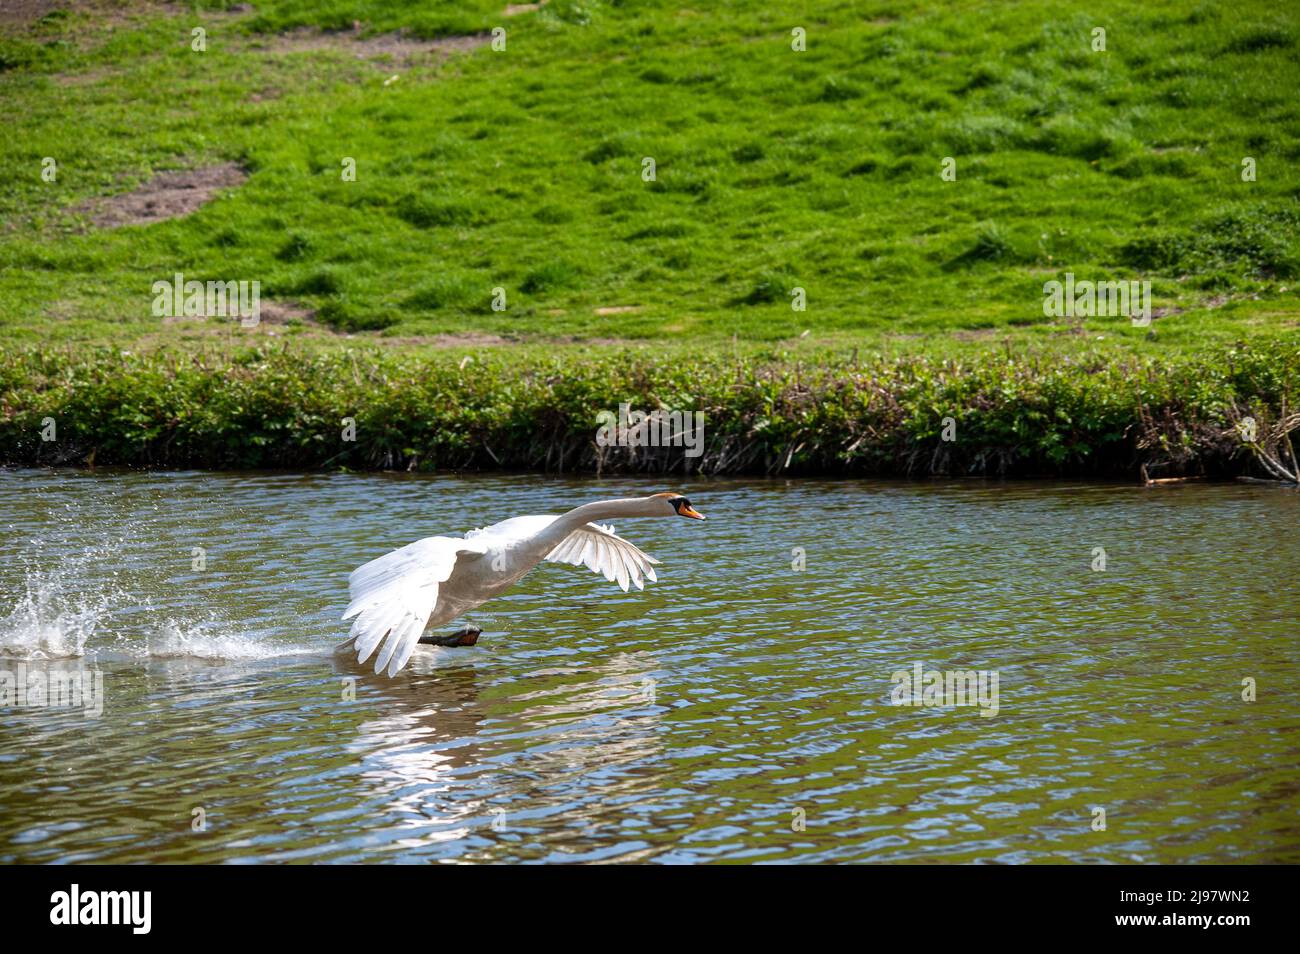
[689, 511]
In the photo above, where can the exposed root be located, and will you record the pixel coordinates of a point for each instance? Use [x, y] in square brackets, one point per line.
[1270, 441]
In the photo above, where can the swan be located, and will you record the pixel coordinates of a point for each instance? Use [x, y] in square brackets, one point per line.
[397, 596]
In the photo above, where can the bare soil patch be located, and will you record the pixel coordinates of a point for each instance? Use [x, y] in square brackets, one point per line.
[483, 339]
[22, 12]
[464, 339]
[977, 334]
[90, 77]
[399, 47]
[283, 312]
[103, 17]
[168, 195]
[271, 314]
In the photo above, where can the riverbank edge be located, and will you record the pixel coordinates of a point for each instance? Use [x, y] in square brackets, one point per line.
[996, 415]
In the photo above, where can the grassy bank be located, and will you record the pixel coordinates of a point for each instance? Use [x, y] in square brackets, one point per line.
[1085, 415]
[776, 168]
[387, 177]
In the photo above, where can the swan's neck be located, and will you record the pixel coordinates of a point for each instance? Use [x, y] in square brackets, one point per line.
[600, 510]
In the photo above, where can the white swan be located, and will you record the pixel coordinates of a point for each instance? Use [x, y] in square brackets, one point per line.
[398, 595]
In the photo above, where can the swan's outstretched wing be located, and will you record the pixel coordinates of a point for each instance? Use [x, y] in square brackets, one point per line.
[393, 596]
[591, 545]
[597, 548]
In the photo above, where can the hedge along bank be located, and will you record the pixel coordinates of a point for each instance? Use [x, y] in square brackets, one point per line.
[993, 415]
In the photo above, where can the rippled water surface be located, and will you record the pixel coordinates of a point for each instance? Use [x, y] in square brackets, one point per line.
[740, 709]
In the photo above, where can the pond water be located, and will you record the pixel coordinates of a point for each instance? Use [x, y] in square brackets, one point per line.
[742, 708]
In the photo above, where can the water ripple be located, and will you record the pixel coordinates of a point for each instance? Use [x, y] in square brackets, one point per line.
[741, 709]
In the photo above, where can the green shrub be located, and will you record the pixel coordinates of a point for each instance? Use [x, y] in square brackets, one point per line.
[280, 407]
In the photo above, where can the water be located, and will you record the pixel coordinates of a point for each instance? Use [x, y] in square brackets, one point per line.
[737, 710]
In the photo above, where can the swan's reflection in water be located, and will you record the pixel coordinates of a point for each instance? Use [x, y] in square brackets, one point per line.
[463, 764]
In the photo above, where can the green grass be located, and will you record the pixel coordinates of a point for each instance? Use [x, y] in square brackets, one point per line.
[522, 170]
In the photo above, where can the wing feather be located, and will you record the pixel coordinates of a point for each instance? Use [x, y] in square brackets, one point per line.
[393, 596]
[600, 550]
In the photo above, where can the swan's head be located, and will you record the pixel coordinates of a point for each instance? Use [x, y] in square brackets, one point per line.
[680, 506]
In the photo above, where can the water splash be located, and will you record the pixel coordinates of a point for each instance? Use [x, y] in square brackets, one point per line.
[215, 640]
[97, 577]
[52, 619]
[56, 618]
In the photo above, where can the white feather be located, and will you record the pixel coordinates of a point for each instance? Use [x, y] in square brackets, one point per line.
[393, 597]
[600, 550]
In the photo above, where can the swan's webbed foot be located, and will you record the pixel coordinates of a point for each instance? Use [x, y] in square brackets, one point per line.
[466, 636]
